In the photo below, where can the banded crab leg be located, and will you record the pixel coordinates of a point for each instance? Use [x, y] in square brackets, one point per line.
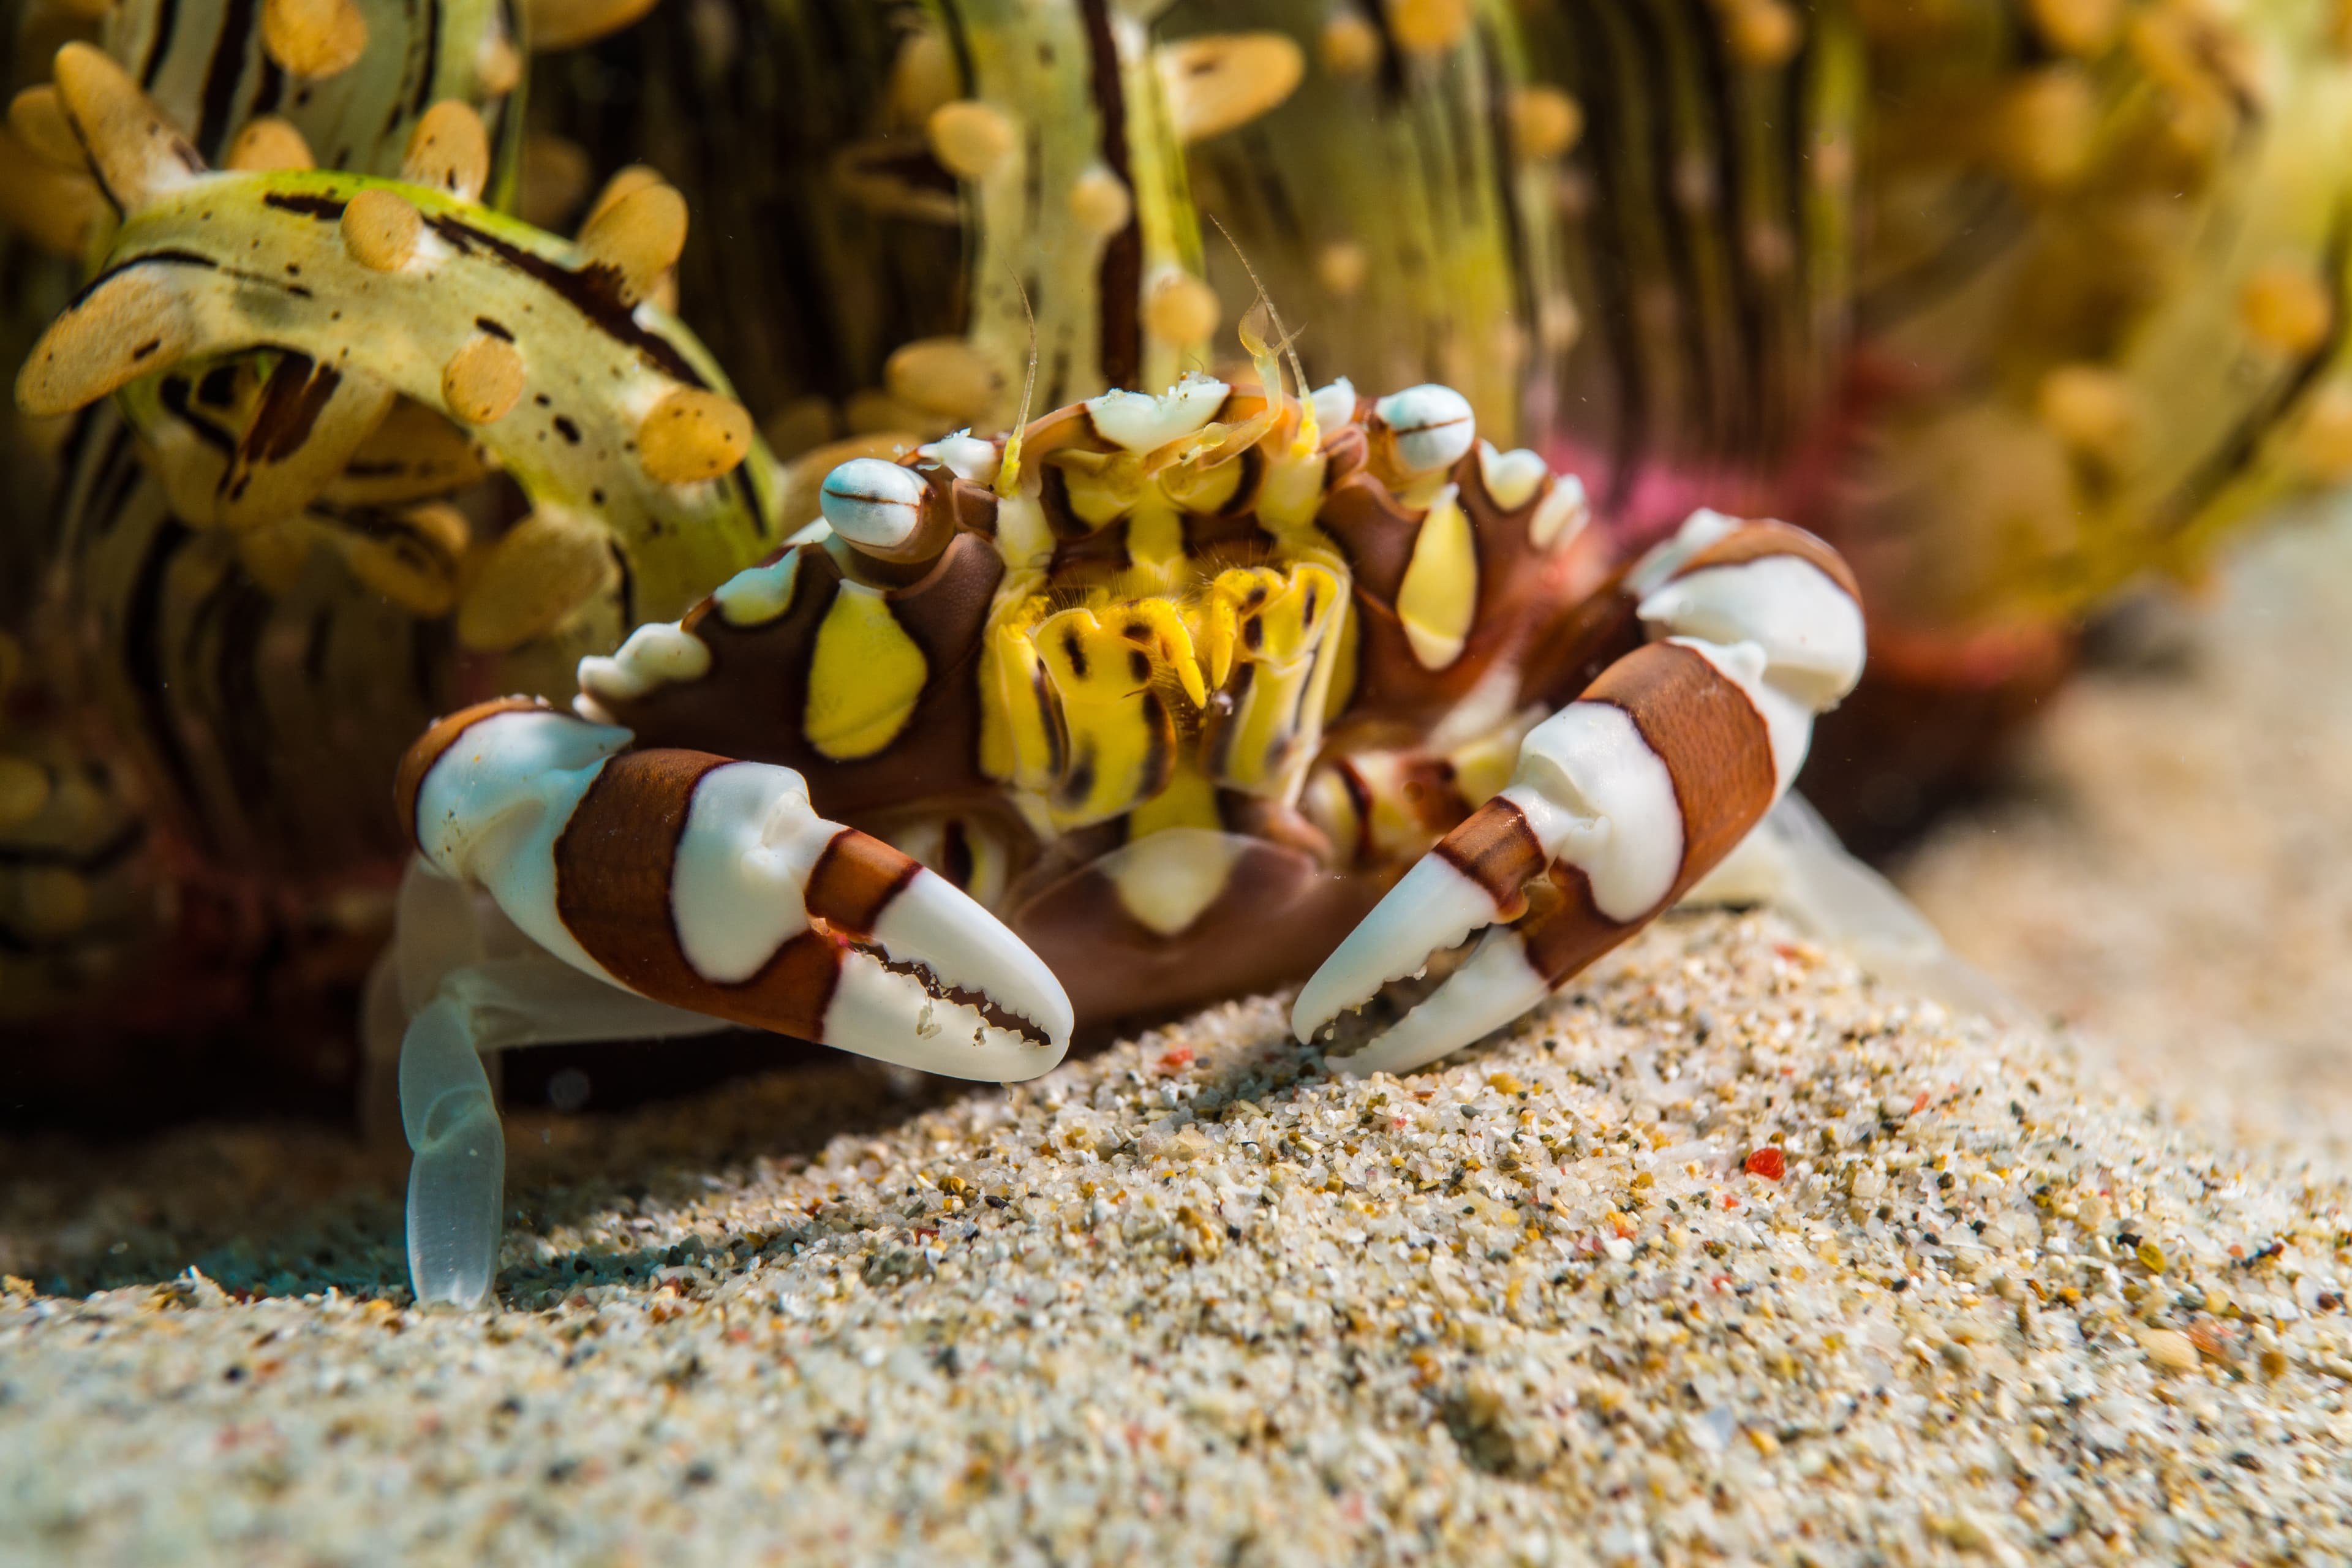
[1622, 800]
[705, 888]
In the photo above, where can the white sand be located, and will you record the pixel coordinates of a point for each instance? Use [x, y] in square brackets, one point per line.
[2173, 875]
[1184, 1302]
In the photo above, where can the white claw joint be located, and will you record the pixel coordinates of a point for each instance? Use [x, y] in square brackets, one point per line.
[713, 886]
[1766, 584]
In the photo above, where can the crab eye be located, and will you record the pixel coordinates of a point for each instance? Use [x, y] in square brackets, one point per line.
[874, 504]
[1433, 427]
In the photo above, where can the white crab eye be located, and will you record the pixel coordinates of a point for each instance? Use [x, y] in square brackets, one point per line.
[872, 504]
[1432, 426]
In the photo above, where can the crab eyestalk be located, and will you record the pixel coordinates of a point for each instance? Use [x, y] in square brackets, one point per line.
[642, 469]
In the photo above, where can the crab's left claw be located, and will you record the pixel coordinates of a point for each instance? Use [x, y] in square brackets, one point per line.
[1622, 800]
[712, 885]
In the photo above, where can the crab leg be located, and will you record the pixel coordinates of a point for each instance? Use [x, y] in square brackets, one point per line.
[1622, 799]
[456, 1180]
[457, 985]
[711, 885]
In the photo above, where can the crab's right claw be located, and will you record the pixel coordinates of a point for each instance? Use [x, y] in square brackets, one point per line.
[1471, 879]
[1586, 844]
[1622, 800]
[712, 885]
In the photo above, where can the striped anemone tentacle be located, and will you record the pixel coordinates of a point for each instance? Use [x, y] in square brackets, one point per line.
[254, 440]
[712, 885]
[1622, 800]
[646, 480]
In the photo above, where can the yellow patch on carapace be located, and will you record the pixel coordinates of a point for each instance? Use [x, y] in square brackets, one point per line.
[1291, 493]
[1105, 675]
[1482, 766]
[1094, 708]
[1439, 596]
[864, 676]
[1279, 621]
[1202, 488]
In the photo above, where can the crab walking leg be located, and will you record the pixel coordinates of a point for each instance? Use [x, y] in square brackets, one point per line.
[711, 885]
[456, 1178]
[449, 940]
[1622, 799]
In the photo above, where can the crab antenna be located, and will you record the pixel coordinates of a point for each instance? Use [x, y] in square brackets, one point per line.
[1285, 342]
[1008, 471]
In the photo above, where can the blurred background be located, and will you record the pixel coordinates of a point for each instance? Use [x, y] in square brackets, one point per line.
[2165, 863]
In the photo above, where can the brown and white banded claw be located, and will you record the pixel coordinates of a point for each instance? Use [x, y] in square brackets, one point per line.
[1622, 800]
[711, 885]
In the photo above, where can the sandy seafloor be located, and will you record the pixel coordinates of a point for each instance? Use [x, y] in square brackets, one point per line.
[2012, 1296]
[2170, 871]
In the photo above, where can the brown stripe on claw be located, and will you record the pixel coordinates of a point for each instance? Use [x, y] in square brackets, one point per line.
[431, 746]
[613, 862]
[853, 881]
[614, 865]
[1565, 929]
[1715, 745]
[1755, 540]
[1498, 850]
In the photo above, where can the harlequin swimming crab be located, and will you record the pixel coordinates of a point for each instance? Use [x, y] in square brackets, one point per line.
[1148, 703]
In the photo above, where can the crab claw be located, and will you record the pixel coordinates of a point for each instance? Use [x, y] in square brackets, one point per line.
[1590, 791]
[1497, 984]
[1435, 907]
[712, 885]
[928, 978]
[1622, 800]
